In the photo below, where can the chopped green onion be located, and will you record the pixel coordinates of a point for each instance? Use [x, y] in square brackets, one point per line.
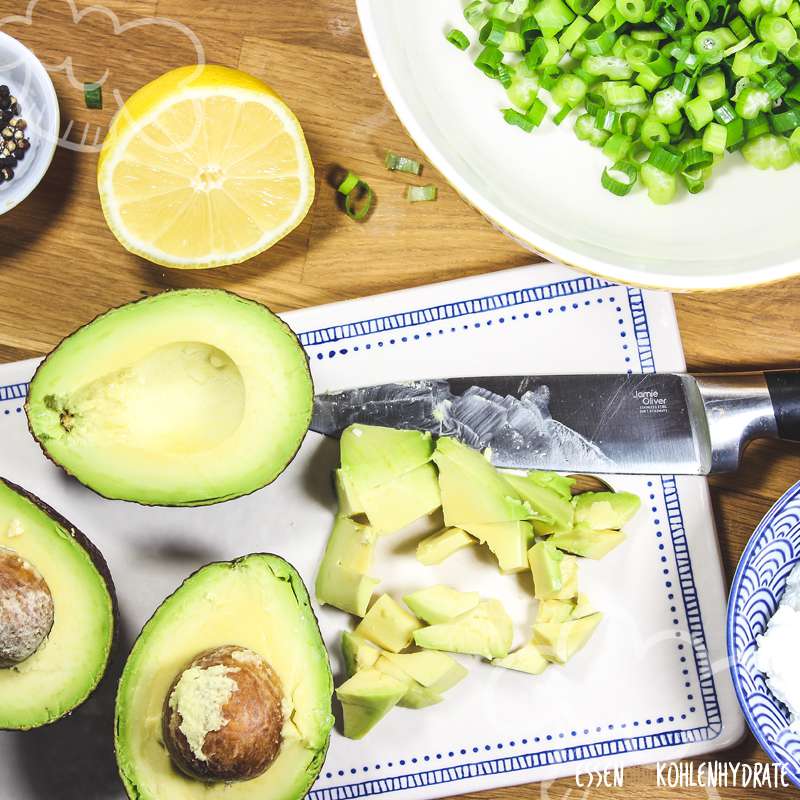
[620, 178]
[536, 113]
[698, 14]
[552, 16]
[488, 60]
[349, 183]
[93, 95]
[397, 163]
[458, 39]
[358, 201]
[513, 117]
[712, 86]
[661, 186]
[715, 138]
[666, 157]
[768, 152]
[699, 112]
[572, 33]
[421, 194]
[618, 147]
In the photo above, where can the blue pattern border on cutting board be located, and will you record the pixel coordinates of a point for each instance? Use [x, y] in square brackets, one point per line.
[640, 334]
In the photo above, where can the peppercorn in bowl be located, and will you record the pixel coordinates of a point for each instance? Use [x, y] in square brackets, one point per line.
[29, 122]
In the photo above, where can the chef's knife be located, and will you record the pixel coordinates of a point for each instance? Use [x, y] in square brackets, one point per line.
[637, 424]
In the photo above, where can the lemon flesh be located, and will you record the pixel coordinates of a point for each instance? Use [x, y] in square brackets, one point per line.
[204, 167]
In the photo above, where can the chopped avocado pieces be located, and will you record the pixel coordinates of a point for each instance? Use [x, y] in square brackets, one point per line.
[358, 653]
[509, 541]
[526, 659]
[545, 562]
[605, 510]
[341, 580]
[554, 611]
[438, 604]
[388, 625]
[583, 608]
[47, 668]
[472, 490]
[486, 631]
[559, 641]
[373, 456]
[416, 695]
[438, 546]
[391, 506]
[430, 668]
[366, 699]
[551, 511]
[561, 484]
[257, 603]
[587, 542]
[350, 504]
[185, 398]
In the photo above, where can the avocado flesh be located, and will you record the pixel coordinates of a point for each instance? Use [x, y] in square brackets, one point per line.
[605, 510]
[388, 625]
[432, 669]
[416, 695]
[357, 653]
[588, 543]
[184, 398]
[472, 490]
[552, 512]
[70, 662]
[438, 546]
[526, 659]
[559, 641]
[441, 603]
[509, 541]
[366, 699]
[259, 603]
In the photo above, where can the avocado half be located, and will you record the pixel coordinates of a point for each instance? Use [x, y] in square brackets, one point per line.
[257, 603]
[184, 398]
[67, 666]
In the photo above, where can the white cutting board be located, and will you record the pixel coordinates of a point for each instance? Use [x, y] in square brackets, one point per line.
[652, 684]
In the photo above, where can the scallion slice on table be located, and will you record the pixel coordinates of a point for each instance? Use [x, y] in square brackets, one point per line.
[358, 196]
[458, 39]
[687, 80]
[397, 163]
[93, 95]
[421, 194]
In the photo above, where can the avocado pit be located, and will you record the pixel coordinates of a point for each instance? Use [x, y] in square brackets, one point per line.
[223, 716]
[26, 609]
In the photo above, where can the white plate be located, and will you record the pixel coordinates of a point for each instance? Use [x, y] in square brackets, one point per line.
[544, 188]
[639, 691]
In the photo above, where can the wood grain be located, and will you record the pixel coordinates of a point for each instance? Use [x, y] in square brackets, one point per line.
[61, 266]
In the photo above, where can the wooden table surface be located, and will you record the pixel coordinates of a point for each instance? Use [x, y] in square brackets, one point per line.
[60, 266]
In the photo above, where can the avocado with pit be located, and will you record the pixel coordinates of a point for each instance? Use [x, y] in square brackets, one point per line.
[438, 546]
[586, 542]
[472, 490]
[57, 612]
[605, 510]
[342, 579]
[184, 398]
[485, 630]
[437, 604]
[552, 512]
[227, 691]
[366, 699]
[388, 625]
[357, 653]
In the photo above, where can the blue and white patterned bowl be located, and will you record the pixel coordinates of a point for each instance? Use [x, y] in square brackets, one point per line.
[759, 583]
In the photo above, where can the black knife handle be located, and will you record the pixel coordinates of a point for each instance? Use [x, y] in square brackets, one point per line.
[784, 391]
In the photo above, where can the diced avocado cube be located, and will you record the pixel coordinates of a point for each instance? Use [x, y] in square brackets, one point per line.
[605, 510]
[583, 608]
[358, 653]
[438, 546]
[587, 542]
[349, 503]
[486, 631]
[388, 625]
[561, 484]
[350, 545]
[393, 505]
[416, 695]
[526, 659]
[551, 511]
[372, 456]
[435, 670]
[509, 541]
[345, 589]
[545, 563]
[366, 699]
[438, 604]
[559, 641]
[569, 578]
[554, 610]
[472, 490]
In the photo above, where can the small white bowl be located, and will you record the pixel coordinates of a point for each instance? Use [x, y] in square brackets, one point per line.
[29, 82]
[543, 188]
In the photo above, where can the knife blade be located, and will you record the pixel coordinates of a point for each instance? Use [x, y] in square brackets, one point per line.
[664, 423]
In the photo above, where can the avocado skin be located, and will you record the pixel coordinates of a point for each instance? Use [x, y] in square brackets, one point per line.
[209, 501]
[99, 564]
[301, 593]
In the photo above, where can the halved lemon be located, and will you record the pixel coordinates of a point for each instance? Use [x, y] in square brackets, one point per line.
[203, 167]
